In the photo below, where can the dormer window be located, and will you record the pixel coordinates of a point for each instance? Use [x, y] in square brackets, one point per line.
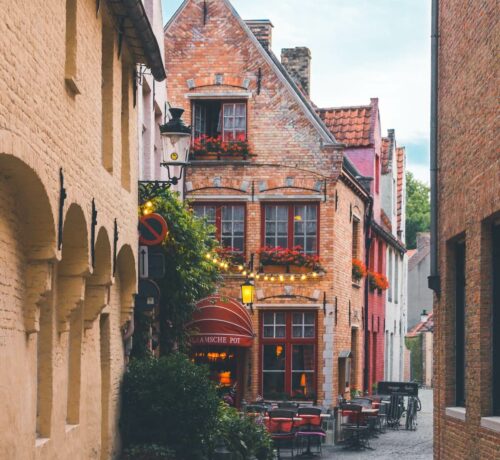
[220, 119]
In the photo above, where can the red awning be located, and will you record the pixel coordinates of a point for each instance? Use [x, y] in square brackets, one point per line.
[220, 320]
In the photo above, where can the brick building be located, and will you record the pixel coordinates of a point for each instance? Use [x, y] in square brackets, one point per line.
[304, 336]
[359, 128]
[465, 245]
[68, 207]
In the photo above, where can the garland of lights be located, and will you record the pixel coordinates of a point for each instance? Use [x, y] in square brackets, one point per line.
[225, 265]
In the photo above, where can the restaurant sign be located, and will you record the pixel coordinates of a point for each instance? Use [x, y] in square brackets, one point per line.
[400, 388]
[221, 340]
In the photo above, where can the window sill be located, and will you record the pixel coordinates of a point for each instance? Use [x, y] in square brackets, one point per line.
[356, 284]
[457, 413]
[40, 442]
[492, 423]
[70, 427]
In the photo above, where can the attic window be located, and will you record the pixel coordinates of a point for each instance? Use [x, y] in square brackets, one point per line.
[224, 119]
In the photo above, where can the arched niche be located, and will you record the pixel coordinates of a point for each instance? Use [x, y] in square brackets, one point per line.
[29, 203]
[74, 266]
[97, 286]
[126, 271]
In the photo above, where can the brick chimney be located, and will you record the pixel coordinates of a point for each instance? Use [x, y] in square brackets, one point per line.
[423, 240]
[297, 61]
[263, 31]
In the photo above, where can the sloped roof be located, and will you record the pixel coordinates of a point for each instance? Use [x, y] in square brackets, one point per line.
[350, 125]
[422, 326]
[326, 135]
[384, 153]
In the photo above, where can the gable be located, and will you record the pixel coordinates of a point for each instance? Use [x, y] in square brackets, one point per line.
[218, 30]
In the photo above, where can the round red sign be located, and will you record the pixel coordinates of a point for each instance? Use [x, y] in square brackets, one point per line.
[152, 229]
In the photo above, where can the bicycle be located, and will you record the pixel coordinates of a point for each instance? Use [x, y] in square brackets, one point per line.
[414, 406]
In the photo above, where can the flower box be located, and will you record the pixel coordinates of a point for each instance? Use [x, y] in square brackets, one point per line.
[214, 148]
[274, 268]
[377, 281]
[298, 269]
[293, 260]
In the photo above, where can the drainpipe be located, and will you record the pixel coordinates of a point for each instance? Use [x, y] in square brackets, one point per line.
[368, 243]
[434, 280]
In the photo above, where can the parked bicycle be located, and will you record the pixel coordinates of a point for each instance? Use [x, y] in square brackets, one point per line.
[414, 406]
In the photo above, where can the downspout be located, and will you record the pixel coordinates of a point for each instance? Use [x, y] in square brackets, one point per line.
[434, 279]
[368, 243]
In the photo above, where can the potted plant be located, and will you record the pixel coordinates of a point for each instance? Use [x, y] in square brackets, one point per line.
[214, 147]
[231, 255]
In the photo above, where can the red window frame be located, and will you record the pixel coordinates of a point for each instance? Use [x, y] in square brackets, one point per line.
[222, 103]
[218, 219]
[291, 235]
[288, 341]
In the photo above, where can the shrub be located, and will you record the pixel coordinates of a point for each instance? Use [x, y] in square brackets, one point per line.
[148, 452]
[169, 402]
[243, 436]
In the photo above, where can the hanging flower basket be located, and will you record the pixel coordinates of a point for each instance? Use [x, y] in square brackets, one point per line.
[377, 281]
[358, 270]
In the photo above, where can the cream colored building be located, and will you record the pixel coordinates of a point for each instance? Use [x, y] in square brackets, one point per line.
[67, 111]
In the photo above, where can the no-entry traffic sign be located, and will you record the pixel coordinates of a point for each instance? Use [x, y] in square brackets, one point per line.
[152, 229]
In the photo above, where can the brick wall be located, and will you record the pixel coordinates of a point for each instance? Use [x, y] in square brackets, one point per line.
[287, 151]
[469, 197]
[45, 126]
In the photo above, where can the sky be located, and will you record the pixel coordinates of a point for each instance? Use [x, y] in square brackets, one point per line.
[360, 49]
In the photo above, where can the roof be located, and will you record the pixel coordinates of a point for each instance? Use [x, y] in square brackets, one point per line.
[417, 256]
[388, 237]
[134, 24]
[326, 136]
[422, 326]
[384, 154]
[400, 160]
[350, 125]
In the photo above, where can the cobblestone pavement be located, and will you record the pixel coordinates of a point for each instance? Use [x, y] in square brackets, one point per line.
[402, 444]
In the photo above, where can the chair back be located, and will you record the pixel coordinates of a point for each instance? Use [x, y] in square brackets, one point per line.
[315, 412]
[288, 405]
[382, 409]
[352, 411]
[281, 421]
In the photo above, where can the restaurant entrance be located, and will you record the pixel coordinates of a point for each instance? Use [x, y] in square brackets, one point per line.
[226, 366]
[222, 335]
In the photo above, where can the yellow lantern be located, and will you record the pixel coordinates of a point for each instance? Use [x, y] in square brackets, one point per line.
[247, 293]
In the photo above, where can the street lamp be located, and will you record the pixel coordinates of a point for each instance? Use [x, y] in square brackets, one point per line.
[247, 294]
[176, 138]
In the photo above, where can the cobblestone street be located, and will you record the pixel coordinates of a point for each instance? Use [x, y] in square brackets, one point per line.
[402, 444]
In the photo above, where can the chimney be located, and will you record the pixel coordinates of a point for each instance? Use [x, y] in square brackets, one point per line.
[423, 240]
[297, 61]
[263, 31]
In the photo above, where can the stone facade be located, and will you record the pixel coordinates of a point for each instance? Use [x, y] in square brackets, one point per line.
[66, 112]
[468, 210]
[295, 161]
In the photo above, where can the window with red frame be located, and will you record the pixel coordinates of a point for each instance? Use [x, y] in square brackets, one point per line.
[289, 225]
[227, 120]
[229, 223]
[288, 354]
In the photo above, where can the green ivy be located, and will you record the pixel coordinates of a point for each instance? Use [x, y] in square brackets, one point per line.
[189, 276]
[414, 344]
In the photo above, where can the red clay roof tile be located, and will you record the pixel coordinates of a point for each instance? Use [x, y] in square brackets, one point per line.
[349, 125]
[400, 158]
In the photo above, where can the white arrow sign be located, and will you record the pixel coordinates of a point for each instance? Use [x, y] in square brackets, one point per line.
[143, 262]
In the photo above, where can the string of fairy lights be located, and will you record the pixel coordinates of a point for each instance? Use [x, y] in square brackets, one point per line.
[272, 277]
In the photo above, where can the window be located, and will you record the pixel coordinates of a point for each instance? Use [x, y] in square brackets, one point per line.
[355, 238]
[460, 324]
[289, 355]
[228, 221]
[377, 174]
[125, 123]
[496, 320]
[216, 118]
[107, 61]
[289, 225]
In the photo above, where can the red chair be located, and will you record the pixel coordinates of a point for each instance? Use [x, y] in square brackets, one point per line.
[282, 428]
[310, 427]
